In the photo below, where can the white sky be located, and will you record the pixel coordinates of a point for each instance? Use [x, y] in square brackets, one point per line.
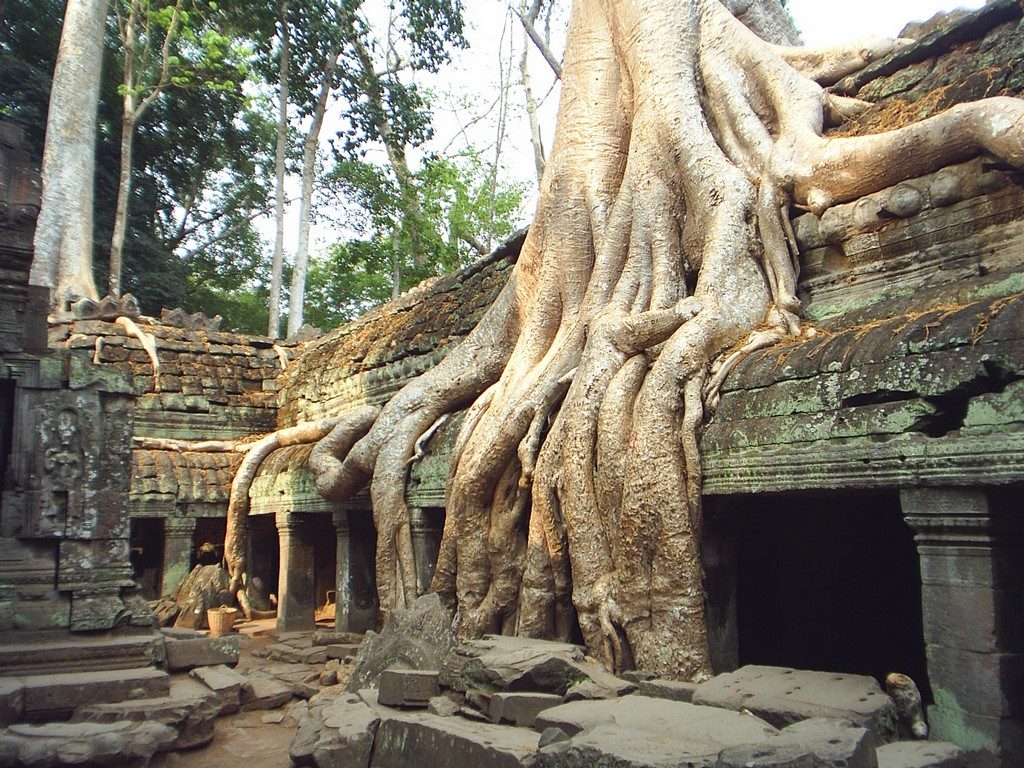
[465, 90]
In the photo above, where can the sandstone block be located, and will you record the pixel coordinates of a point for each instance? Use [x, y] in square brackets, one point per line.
[49, 697]
[190, 710]
[341, 650]
[12, 700]
[226, 683]
[407, 687]
[921, 754]
[782, 696]
[347, 737]
[667, 689]
[264, 693]
[638, 731]
[814, 742]
[131, 745]
[186, 654]
[521, 709]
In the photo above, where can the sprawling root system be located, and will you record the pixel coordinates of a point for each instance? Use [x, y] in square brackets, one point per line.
[660, 254]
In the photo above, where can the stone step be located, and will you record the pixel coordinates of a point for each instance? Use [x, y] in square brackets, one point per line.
[55, 697]
[81, 654]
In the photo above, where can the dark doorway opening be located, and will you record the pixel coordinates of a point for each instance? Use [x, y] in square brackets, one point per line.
[146, 539]
[264, 554]
[325, 558]
[829, 583]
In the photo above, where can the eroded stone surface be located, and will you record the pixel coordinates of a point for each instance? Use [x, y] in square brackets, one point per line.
[226, 683]
[815, 742]
[521, 709]
[641, 731]
[523, 664]
[407, 687]
[420, 637]
[185, 653]
[782, 696]
[264, 692]
[52, 745]
[667, 689]
[921, 754]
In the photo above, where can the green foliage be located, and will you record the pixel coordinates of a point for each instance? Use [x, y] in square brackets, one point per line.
[457, 209]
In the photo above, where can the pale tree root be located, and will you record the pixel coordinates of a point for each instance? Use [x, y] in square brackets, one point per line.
[352, 425]
[662, 242]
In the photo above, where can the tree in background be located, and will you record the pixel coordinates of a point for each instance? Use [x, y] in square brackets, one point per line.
[64, 230]
[164, 44]
[455, 196]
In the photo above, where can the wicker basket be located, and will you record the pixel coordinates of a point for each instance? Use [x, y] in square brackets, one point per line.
[221, 620]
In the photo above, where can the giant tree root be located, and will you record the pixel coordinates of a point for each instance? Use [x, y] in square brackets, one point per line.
[661, 244]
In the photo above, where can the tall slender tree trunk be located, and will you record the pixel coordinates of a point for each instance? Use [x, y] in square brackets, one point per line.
[531, 106]
[64, 231]
[297, 295]
[124, 191]
[280, 157]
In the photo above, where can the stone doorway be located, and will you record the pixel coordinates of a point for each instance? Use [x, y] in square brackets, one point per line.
[829, 583]
[146, 539]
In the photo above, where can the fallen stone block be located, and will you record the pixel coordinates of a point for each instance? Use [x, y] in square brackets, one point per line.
[190, 710]
[315, 655]
[638, 732]
[113, 745]
[333, 637]
[264, 693]
[782, 696]
[814, 742]
[272, 718]
[589, 690]
[921, 754]
[444, 742]
[347, 738]
[184, 654]
[521, 709]
[524, 664]
[442, 706]
[55, 697]
[673, 690]
[407, 687]
[420, 636]
[341, 650]
[226, 683]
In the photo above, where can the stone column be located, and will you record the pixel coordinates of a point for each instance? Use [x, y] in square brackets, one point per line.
[719, 552]
[178, 534]
[426, 533]
[972, 595]
[295, 587]
[343, 574]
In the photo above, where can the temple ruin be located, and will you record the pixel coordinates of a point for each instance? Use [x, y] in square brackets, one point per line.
[861, 484]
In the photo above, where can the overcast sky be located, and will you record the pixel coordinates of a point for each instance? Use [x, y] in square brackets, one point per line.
[465, 93]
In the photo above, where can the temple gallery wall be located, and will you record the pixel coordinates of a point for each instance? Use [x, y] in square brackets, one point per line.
[862, 485]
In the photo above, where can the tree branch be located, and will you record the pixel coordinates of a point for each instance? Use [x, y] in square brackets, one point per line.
[539, 41]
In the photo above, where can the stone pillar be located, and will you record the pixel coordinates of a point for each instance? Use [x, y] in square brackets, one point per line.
[178, 534]
[296, 583]
[343, 574]
[426, 531]
[719, 552]
[972, 595]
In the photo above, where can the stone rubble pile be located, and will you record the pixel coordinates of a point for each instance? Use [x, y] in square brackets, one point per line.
[418, 698]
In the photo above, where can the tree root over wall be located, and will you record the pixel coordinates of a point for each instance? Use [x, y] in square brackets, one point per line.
[661, 252]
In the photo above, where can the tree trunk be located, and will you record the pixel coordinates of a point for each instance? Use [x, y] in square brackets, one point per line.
[64, 230]
[124, 191]
[297, 294]
[280, 159]
[659, 247]
[531, 103]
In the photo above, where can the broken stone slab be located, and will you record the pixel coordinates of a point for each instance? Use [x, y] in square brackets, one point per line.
[190, 710]
[332, 637]
[419, 637]
[341, 650]
[521, 709]
[443, 742]
[347, 738]
[815, 742]
[264, 693]
[226, 683]
[674, 690]
[442, 706]
[782, 696]
[117, 745]
[921, 754]
[638, 732]
[407, 687]
[55, 697]
[524, 664]
[589, 690]
[184, 654]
